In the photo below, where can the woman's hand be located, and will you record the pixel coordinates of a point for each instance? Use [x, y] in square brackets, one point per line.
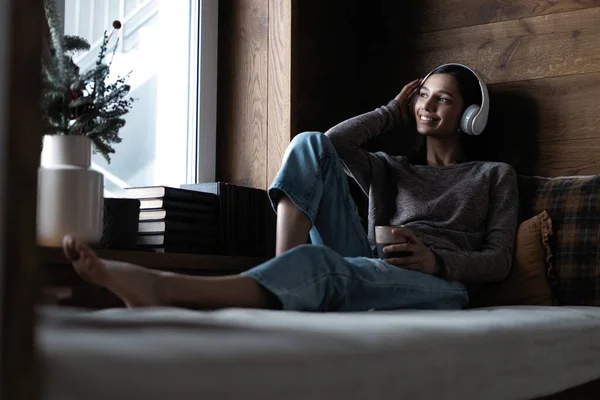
[404, 97]
[422, 259]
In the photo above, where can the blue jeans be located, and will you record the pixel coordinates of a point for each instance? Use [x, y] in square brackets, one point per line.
[338, 271]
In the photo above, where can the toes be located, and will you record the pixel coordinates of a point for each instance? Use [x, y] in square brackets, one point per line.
[69, 248]
[76, 250]
[84, 251]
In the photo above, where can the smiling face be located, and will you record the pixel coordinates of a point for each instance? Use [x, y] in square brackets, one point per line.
[438, 106]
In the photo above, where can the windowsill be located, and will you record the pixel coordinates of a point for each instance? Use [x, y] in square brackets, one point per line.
[62, 286]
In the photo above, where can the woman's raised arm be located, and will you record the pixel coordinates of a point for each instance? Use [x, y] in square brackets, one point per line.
[350, 135]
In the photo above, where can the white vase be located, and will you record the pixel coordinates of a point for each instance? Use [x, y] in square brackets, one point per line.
[70, 194]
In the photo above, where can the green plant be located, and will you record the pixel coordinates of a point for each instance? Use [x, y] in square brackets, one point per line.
[75, 103]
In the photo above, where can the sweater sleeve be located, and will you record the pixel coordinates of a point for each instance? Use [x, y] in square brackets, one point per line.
[348, 136]
[493, 262]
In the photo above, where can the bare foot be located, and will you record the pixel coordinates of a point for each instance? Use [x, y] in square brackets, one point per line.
[135, 285]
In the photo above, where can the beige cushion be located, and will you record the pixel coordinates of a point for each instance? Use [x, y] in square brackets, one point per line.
[527, 282]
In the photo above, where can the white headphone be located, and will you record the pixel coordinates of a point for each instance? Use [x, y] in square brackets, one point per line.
[475, 117]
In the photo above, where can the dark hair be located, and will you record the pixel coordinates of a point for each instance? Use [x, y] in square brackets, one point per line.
[467, 82]
[468, 87]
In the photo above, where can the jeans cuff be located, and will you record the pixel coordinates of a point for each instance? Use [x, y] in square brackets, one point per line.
[275, 196]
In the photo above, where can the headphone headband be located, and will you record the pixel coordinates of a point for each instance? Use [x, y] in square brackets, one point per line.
[475, 117]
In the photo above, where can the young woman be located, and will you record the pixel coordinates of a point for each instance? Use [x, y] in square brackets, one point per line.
[459, 216]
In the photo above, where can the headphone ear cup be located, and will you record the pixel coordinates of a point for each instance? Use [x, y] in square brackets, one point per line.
[466, 122]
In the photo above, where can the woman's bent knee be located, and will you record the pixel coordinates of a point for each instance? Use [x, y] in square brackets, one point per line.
[316, 251]
[313, 140]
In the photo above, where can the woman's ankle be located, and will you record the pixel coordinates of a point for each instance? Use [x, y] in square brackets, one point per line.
[160, 287]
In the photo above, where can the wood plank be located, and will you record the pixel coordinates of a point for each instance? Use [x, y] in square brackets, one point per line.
[325, 66]
[21, 25]
[539, 47]
[569, 158]
[530, 120]
[435, 15]
[242, 97]
[566, 107]
[280, 85]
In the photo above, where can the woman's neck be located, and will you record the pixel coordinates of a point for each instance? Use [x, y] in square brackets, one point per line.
[442, 153]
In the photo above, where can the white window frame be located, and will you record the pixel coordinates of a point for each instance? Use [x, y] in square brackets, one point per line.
[206, 100]
[202, 124]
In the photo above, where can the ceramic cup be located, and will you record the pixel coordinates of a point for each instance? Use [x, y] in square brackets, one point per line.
[384, 237]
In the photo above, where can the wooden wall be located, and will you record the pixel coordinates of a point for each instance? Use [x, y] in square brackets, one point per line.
[242, 92]
[285, 66]
[254, 89]
[288, 66]
[541, 59]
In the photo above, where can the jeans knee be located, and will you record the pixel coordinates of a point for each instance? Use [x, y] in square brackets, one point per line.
[316, 252]
[316, 141]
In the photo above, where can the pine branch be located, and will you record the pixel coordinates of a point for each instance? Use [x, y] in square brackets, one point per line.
[81, 123]
[52, 82]
[103, 48]
[75, 103]
[56, 35]
[104, 149]
[118, 112]
[76, 43]
[82, 101]
[100, 71]
[53, 105]
[50, 78]
[98, 76]
[114, 94]
[107, 127]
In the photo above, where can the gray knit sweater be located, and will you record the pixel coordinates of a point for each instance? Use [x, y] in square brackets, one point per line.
[467, 213]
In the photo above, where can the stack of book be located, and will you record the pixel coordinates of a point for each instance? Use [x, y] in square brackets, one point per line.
[246, 222]
[174, 220]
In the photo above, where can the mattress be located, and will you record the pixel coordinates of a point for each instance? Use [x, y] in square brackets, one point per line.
[170, 353]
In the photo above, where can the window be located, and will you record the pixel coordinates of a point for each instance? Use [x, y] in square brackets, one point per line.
[168, 48]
